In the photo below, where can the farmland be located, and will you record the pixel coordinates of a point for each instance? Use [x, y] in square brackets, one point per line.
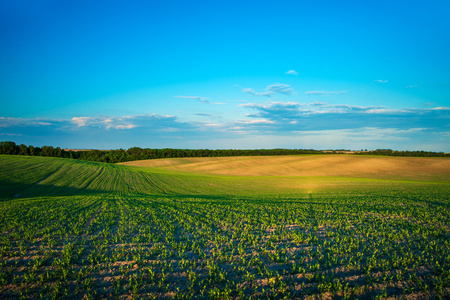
[225, 228]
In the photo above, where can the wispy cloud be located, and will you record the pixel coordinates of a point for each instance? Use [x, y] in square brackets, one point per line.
[412, 86]
[324, 93]
[81, 121]
[291, 72]
[321, 125]
[212, 116]
[37, 122]
[279, 88]
[381, 81]
[254, 93]
[100, 131]
[290, 110]
[263, 121]
[204, 115]
[201, 99]
[98, 123]
[317, 125]
[105, 122]
[291, 116]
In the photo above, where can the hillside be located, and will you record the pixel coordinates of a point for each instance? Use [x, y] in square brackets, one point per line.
[373, 167]
[25, 176]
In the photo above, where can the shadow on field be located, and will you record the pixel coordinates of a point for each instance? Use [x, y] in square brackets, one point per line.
[15, 190]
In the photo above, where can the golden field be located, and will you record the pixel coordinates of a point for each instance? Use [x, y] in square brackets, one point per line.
[339, 165]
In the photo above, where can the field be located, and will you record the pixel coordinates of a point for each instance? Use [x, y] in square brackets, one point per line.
[295, 227]
[375, 167]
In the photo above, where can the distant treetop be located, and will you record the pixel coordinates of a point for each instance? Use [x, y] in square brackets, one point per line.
[137, 153]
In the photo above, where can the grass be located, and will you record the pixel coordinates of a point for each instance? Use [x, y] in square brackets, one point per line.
[72, 229]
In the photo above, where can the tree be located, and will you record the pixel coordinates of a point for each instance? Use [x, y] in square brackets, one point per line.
[58, 152]
[47, 151]
[8, 148]
[135, 151]
[23, 149]
[31, 150]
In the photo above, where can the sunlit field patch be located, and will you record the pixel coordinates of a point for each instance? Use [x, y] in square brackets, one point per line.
[72, 229]
[354, 166]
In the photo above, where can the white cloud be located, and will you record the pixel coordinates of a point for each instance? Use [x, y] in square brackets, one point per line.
[129, 126]
[212, 124]
[262, 121]
[201, 99]
[281, 88]
[316, 125]
[124, 122]
[291, 72]
[253, 92]
[293, 116]
[381, 81]
[104, 122]
[82, 121]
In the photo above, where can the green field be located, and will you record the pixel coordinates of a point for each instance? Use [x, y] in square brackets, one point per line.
[84, 230]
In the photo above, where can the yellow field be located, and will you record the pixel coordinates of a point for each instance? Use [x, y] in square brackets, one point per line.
[374, 167]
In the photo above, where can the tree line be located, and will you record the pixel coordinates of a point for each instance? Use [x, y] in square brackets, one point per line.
[390, 152]
[137, 153]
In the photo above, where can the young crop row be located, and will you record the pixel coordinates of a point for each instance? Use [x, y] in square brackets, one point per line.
[125, 244]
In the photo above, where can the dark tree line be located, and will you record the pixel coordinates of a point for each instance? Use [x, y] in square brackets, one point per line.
[136, 153]
[390, 152]
[13, 149]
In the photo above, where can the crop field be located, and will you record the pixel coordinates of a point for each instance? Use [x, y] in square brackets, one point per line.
[375, 167]
[186, 229]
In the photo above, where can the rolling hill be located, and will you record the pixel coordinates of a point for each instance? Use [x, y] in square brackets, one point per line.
[373, 167]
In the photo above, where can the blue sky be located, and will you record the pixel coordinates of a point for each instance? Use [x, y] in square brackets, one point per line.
[226, 74]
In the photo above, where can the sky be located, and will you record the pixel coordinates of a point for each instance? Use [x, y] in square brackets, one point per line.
[226, 74]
